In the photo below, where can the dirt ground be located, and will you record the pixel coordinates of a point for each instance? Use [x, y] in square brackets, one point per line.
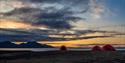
[62, 57]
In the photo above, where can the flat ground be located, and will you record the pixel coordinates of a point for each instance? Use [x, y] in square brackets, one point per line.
[62, 57]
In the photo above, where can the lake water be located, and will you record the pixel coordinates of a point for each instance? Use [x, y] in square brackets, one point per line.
[49, 49]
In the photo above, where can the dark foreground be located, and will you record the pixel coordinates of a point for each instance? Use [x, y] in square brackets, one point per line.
[61, 57]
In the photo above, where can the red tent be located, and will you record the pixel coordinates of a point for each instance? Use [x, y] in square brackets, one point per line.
[108, 47]
[63, 48]
[96, 48]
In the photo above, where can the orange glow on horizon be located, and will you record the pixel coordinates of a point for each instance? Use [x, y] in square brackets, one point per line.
[76, 43]
[4, 23]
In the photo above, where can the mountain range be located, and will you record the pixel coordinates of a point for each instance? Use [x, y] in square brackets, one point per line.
[33, 44]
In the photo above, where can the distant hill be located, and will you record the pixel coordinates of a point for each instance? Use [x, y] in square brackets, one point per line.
[8, 44]
[34, 45]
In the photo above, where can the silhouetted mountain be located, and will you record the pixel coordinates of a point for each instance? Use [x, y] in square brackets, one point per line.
[34, 45]
[8, 44]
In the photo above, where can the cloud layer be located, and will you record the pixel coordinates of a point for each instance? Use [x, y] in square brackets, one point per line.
[56, 14]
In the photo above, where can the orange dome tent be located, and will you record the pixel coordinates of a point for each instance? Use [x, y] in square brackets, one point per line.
[63, 48]
[108, 47]
[96, 48]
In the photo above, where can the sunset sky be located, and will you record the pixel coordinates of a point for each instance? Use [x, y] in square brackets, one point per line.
[94, 15]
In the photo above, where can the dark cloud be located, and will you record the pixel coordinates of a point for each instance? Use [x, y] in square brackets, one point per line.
[60, 1]
[25, 14]
[109, 33]
[74, 5]
[44, 1]
[55, 24]
[25, 35]
[53, 19]
[30, 35]
[55, 14]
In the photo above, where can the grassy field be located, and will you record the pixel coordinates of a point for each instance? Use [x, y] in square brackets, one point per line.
[61, 57]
